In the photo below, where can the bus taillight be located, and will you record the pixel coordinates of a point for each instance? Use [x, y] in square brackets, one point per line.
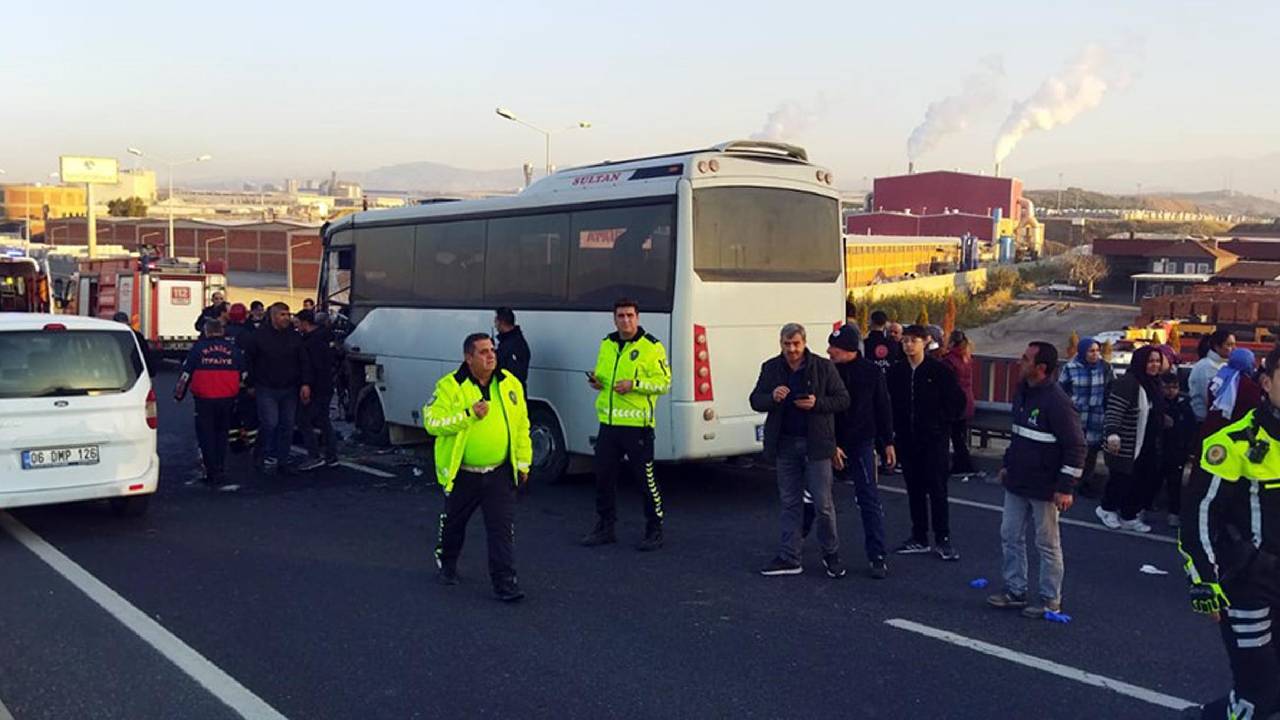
[702, 390]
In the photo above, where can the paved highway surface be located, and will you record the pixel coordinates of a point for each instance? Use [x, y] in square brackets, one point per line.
[314, 597]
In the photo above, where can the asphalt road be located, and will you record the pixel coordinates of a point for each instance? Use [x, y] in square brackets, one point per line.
[316, 595]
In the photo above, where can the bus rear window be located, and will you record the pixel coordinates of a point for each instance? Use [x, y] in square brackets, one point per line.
[749, 234]
[71, 362]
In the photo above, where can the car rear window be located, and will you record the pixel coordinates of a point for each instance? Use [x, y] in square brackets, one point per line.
[55, 363]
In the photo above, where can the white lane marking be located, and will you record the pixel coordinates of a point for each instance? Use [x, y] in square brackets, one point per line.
[209, 676]
[1064, 521]
[348, 464]
[1053, 668]
[4, 712]
[366, 469]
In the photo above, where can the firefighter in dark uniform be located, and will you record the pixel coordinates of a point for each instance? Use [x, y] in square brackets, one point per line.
[213, 372]
[631, 374]
[1230, 539]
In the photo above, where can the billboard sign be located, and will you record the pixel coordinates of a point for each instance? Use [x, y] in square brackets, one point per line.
[97, 170]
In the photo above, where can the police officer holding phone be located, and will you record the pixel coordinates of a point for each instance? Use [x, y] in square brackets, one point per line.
[631, 374]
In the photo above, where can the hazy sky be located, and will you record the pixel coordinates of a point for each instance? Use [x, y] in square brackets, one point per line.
[295, 89]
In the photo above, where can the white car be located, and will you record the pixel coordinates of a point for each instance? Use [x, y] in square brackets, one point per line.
[77, 413]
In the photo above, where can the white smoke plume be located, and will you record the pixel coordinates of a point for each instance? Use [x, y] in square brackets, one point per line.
[951, 114]
[791, 119]
[1078, 87]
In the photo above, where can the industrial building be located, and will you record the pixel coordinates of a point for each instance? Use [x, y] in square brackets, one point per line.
[946, 203]
[1168, 264]
[873, 259]
[29, 202]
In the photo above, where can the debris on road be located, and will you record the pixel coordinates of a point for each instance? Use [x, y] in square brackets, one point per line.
[1057, 617]
[1152, 570]
[978, 583]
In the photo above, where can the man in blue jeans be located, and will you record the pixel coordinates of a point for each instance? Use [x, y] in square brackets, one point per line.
[280, 376]
[1042, 467]
[868, 421]
[801, 392]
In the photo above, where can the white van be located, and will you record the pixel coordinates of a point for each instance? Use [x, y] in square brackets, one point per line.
[77, 413]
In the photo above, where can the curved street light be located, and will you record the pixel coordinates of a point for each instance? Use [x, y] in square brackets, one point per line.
[507, 114]
[172, 164]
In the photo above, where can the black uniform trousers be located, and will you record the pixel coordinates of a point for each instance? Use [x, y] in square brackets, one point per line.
[314, 417]
[636, 445]
[213, 420]
[494, 493]
[1254, 655]
[924, 470]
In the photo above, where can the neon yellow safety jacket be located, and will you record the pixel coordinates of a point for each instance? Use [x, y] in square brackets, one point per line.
[643, 360]
[447, 416]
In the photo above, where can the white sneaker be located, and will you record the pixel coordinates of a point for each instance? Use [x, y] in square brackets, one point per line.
[1174, 521]
[1135, 525]
[1108, 518]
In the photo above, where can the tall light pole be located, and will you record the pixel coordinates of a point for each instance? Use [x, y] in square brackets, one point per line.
[546, 134]
[172, 164]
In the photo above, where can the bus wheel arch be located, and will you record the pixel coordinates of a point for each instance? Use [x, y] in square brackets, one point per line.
[370, 420]
[550, 454]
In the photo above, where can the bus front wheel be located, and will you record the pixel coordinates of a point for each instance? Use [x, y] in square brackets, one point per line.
[371, 423]
[550, 457]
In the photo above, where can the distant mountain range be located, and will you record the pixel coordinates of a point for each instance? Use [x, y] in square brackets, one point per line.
[1258, 176]
[436, 178]
[1216, 202]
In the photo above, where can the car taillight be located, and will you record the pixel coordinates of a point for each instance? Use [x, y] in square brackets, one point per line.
[153, 420]
[702, 390]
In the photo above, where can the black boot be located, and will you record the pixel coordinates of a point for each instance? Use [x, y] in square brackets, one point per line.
[507, 590]
[652, 539]
[601, 534]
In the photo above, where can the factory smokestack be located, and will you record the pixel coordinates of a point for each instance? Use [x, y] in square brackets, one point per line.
[911, 168]
[997, 169]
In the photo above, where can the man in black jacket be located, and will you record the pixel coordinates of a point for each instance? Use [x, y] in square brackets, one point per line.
[801, 392]
[280, 375]
[513, 350]
[926, 399]
[881, 350]
[1042, 466]
[314, 416]
[867, 422]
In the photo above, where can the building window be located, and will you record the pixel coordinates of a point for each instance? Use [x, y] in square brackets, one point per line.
[1189, 268]
[1158, 266]
[1203, 268]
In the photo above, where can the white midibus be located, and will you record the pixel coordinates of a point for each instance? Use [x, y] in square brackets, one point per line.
[720, 247]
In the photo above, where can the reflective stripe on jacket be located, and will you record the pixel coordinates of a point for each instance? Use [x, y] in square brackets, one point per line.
[448, 417]
[642, 360]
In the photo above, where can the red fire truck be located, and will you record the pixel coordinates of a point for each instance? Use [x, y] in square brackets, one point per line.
[162, 297]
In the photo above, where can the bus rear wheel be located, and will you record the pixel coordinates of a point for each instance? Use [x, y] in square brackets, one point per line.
[371, 423]
[550, 456]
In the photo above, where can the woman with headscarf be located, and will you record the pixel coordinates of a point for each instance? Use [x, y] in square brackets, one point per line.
[959, 360]
[1085, 378]
[1233, 392]
[1132, 428]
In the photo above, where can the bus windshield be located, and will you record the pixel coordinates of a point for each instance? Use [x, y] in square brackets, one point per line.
[754, 234]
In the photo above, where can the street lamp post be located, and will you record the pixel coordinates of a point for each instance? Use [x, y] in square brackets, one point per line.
[223, 238]
[172, 164]
[546, 134]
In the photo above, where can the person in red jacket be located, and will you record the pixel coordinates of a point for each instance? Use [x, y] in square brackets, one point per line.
[213, 372]
[959, 359]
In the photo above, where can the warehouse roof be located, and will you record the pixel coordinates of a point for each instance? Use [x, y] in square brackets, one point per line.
[1251, 270]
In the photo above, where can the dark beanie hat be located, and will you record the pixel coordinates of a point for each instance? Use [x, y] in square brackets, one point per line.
[846, 337]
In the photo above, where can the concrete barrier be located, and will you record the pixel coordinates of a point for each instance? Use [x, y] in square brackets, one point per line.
[971, 281]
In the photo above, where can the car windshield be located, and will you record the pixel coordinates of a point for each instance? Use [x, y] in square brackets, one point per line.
[41, 363]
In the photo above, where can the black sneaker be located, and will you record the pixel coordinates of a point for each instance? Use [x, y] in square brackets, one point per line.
[879, 570]
[913, 547]
[947, 551]
[447, 574]
[310, 465]
[1008, 601]
[600, 535]
[508, 591]
[652, 540]
[831, 562]
[778, 566]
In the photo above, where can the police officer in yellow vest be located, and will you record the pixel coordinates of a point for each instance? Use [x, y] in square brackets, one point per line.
[480, 421]
[1230, 539]
[631, 373]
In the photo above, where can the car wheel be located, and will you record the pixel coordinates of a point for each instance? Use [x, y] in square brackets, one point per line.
[550, 456]
[133, 506]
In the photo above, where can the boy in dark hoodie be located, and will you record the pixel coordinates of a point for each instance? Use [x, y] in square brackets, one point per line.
[1181, 430]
